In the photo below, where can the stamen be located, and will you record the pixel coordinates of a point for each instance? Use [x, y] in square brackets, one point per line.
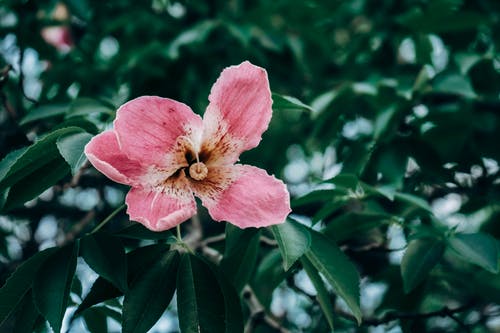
[198, 171]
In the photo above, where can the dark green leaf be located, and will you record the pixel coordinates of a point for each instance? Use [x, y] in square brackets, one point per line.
[293, 241]
[338, 270]
[138, 231]
[105, 254]
[352, 224]
[478, 248]
[86, 106]
[27, 315]
[102, 290]
[420, 257]
[138, 261]
[52, 284]
[150, 294]
[240, 254]
[322, 293]
[268, 275]
[71, 149]
[43, 112]
[20, 282]
[200, 300]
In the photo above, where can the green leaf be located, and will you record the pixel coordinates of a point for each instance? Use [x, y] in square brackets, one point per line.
[268, 275]
[19, 283]
[138, 261]
[351, 224]
[149, 296]
[85, 106]
[96, 319]
[322, 293]
[413, 200]
[338, 270]
[35, 183]
[138, 231]
[102, 290]
[281, 102]
[44, 112]
[35, 169]
[453, 83]
[478, 248]
[105, 254]
[52, 284]
[35, 156]
[194, 35]
[9, 160]
[27, 315]
[201, 304]
[240, 254]
[71, 149]
[293, 241]
[418, 260]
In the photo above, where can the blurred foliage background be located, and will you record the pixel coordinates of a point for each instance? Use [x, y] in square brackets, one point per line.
[386, 129]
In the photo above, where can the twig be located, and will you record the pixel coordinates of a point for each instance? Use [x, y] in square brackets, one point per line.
[78, 227]
[107, 219]
[258, 314]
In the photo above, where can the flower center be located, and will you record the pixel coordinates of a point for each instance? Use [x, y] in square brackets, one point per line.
[198, 171]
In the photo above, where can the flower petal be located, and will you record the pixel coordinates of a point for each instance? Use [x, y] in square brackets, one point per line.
[157, 210]
[239, 112]
[105, 155]
[244, 195]
[149, 129]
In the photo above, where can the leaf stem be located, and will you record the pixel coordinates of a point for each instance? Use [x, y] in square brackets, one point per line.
[107, 219]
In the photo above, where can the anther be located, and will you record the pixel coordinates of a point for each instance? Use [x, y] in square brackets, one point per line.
[198, 171]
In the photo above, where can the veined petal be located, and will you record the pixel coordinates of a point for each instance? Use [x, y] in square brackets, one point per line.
[160, 210]
[105, 155]
[153, 130]
[239, 112]
[244, 195]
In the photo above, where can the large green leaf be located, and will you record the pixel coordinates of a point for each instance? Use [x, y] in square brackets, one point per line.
[322, 293]
[44, 112]
[105, 254]
[27, 315]
[20, 282]
[102, 290]
[478, 248]
[201, 304]
[268, 275]
[71, 149]
[38, 167]
[293, 241]
[36, 156]
[138, 261]
[419, 258]
[338, 270]
[240, 254]
[52, 284]
[150, 294]
[35, 183]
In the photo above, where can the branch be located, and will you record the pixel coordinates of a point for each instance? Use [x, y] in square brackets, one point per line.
[396, 315]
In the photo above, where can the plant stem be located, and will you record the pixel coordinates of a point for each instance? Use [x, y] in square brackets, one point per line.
[107, 219]
[179, 236]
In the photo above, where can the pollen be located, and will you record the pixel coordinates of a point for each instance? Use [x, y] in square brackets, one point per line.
[198, 171]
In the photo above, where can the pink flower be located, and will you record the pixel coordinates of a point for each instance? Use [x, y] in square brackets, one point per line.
[167, 153]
